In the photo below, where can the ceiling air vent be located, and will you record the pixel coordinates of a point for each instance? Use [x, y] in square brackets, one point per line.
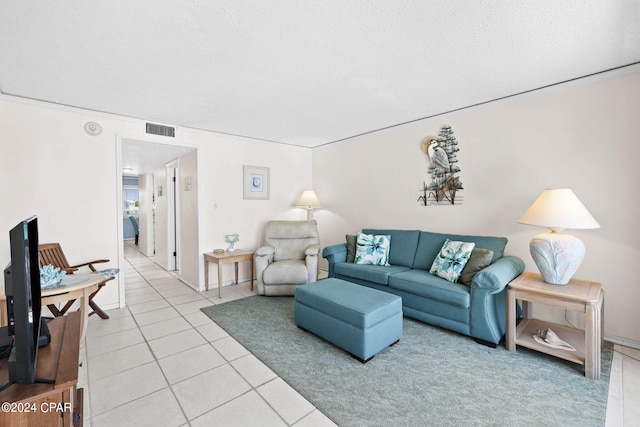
[161, 130]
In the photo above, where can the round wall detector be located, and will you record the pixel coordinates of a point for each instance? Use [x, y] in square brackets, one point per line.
[92, 128]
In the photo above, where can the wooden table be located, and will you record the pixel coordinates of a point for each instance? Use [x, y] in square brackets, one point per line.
[79, 291]
[578, 295]
[225, 257]
[59, 402]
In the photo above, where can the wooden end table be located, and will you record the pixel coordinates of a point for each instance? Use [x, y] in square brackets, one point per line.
[577, 295]
[220, 258]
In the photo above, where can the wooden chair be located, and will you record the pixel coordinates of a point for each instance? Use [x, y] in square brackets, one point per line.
[51, 253]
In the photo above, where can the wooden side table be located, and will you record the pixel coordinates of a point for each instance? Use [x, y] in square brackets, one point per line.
[222, 258]
[578, 295]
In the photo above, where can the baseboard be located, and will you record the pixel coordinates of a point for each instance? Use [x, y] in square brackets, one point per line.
[188, 283]
[622, 341]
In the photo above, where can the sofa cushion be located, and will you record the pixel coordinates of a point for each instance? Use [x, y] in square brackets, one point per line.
[422, 283]
[293, 272]
[372, 249]
[372, 273]
[451, 259]
[479, 259]
[430, 244]
[403, 245]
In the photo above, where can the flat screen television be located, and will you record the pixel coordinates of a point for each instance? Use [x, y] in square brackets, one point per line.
[22, 289]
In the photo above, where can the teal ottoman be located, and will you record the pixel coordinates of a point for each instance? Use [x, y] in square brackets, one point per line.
[360, 320]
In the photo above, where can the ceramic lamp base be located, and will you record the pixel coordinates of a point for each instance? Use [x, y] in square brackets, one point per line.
[557, 256]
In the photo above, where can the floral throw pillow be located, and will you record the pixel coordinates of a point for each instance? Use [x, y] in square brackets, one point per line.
[372, 249]
[451, 260]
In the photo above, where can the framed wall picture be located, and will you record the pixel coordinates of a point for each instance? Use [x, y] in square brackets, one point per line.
[255, 183]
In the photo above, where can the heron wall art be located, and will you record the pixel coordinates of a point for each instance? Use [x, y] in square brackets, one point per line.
[444, 185]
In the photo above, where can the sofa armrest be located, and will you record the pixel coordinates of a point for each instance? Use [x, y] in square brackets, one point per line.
[334, 254]
[498, 275]
[488, 298]
[265, 251]
[264, 257]
[313, 250]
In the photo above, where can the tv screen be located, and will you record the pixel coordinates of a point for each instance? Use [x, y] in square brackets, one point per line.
[22, 289]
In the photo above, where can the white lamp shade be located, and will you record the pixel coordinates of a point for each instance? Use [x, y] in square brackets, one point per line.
[558, 209]
[308, 200]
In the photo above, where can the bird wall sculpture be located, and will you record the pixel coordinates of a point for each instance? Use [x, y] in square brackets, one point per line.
[442, 152]
[436, 154]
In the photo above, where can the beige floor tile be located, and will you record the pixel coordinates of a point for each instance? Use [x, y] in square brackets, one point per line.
[155, 316]
[197, 319]
[176, 343]
[117, 361]
[285, 400]
[192, 307]
[253, 370]
[144, 412]
[202, 393]
[164, 328]
[191, 296]
[148, 306]
[189, 363]
[116, 390]
[229, 348]
[212, 332]
[247, 410]
[105, 344]
[97, 327]
[142, 298]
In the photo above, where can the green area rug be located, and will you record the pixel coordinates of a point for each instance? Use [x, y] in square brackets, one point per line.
[431, 377]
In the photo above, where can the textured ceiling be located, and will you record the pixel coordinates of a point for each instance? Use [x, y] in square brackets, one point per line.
[303, 72]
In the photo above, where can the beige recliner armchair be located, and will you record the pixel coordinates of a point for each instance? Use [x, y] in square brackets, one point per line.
[289, 257]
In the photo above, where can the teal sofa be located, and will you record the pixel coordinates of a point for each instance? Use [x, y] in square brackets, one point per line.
[478, 310]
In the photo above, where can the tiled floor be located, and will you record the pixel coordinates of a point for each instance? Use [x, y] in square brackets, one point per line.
[161, 362]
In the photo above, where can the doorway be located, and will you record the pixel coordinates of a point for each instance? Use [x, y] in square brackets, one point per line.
[163, 217]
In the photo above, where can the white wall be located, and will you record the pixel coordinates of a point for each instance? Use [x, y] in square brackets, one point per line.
[50, 167]
[189, 250]
[584, 136]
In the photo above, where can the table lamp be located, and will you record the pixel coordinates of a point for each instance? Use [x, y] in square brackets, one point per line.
[309, 201]
[558, 255]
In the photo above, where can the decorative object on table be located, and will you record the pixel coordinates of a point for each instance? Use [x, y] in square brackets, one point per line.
[556, 254]
[442, 152]
[218, 251]
[551, 339]
[255, 182]
[50, 276]
[309, 201]
[107, 274]
[231, 240]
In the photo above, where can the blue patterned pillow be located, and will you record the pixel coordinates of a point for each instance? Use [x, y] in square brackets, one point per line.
[451, 260]
[372, 249]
